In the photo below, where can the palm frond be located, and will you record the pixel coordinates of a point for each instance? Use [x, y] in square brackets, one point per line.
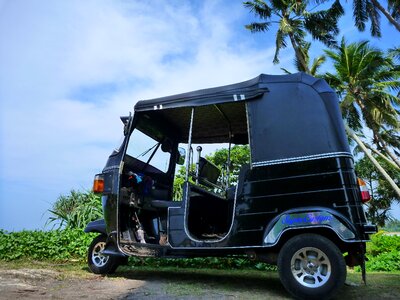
[317, 63]
[323, 25]
[360, 14]
[374, 17]
[394, 9]
[279, 44]
[259, 8]
[258, 27]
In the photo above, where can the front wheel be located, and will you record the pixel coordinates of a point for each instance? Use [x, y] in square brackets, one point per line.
[311, 267]
[98, 262]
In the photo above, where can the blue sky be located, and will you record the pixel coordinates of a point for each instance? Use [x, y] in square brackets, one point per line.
[69, 69]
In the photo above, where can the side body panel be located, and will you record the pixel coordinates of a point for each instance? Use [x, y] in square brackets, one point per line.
[275, 191]
[321, 192]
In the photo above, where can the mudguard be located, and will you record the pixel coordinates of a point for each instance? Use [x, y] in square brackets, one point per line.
[307, 219]
[96, 226]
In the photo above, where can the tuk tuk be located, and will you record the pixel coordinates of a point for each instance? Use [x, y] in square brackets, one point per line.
[296, 204]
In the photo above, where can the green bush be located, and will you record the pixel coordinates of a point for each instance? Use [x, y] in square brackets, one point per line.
[387, 261]
[62, 245]
[76, 210]
[57, 245]
[383, 253]
[383, 243]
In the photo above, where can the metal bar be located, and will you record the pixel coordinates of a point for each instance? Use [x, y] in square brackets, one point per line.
[189, 145]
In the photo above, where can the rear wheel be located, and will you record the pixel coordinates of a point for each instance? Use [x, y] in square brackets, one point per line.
[98, 262]
[311, 267]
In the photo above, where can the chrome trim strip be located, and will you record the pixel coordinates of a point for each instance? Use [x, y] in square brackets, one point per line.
[300, 158]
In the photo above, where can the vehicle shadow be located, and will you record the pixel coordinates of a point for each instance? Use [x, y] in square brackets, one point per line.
[203, 284]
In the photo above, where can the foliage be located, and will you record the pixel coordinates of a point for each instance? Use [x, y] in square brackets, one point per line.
[179, 180]
[76, 210]
[295, 20]
[57, 245]
[382, 195]
[240, 155]
[383, 253]
[313, 67]
[365, 78]
[383, 243]
[60, 245]
[368, 10]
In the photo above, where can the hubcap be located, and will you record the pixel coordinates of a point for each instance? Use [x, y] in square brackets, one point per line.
[311, 267]
[98, 258]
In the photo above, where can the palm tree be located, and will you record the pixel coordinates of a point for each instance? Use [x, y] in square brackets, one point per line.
[294, 23]
[313, 68]
[368, 10]
[365, 80]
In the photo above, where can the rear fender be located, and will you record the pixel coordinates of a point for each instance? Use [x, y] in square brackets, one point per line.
[96, 226]
[99, 226]
[310, 218]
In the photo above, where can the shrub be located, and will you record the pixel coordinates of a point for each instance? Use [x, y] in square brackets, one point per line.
[76, 210]
[387, 261]
[57, 245]
[383, 252]
[382, 243]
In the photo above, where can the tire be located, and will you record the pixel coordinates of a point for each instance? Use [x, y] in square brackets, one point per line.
[311, 267]
[99, 263]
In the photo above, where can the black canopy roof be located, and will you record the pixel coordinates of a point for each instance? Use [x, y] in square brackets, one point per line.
[284, 117]
[246, 90]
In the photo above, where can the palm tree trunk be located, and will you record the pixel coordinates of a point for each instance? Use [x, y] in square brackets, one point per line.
[371, 124]
[387, 14]
[373, 160]
[388, 152]
[299, 54]
[383, 156]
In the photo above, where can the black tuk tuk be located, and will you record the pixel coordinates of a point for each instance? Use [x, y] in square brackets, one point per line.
[296, 204]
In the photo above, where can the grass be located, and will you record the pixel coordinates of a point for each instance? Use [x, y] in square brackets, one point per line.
[205, 283]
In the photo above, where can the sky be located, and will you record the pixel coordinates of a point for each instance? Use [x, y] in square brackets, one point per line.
[69, 69]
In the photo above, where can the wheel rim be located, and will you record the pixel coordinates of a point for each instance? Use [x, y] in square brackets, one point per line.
[98, 258]
[311, 267]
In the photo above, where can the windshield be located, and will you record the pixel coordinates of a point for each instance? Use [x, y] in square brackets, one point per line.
[148, 150]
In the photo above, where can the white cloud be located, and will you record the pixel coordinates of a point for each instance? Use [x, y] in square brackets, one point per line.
[52, 140]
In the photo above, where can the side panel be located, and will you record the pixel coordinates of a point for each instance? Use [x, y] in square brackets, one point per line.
[269, 191]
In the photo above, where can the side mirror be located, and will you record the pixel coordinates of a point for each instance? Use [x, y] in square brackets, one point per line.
[181, 156]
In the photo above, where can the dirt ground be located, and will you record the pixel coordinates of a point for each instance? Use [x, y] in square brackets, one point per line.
[48, 282]
[45, 283]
